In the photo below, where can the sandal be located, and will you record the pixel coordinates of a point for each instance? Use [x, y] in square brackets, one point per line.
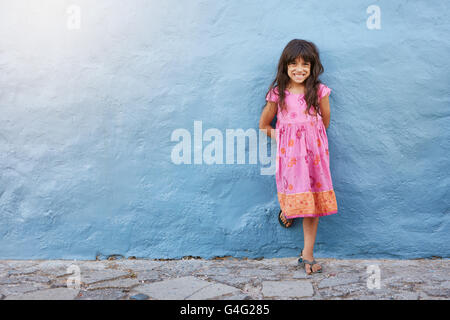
[302, 262]
[286, 224]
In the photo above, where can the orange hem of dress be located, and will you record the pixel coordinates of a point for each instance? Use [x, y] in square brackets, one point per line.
[312, 215]
[323, 201]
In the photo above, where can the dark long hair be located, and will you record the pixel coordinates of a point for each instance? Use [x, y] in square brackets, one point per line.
[309, 53]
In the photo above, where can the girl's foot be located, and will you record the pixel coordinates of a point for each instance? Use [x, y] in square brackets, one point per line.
[283, 221]
[315, 268]
[311, 266]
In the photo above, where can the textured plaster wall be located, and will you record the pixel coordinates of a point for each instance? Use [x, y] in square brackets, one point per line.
[87, 116]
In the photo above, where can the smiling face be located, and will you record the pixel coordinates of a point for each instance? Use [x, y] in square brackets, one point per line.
[298, 70]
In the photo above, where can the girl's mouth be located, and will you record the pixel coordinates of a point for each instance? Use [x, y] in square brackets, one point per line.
[299, 75]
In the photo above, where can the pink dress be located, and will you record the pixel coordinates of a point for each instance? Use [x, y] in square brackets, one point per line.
[303, 176]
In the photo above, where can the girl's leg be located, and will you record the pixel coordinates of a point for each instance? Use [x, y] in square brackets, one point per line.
[309, 233]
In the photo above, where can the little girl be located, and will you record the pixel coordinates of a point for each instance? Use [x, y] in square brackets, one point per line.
[303, 177]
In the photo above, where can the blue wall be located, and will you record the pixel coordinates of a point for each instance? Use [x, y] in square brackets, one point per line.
[87, 116]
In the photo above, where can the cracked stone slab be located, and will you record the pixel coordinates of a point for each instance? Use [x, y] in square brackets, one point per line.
[274, 262]
[47, 294]
[445, 285]
[339, 280]
[406, 296]
[20, 264]
[118, 283]
[400, 281]
[95, 265]
[234, 281]
[349, 290]
[56, 264]
[15, 289]
[259, 273]
[102, 294]
[147, 275]
[88, 276]
[8, 280]
[173, 289]
[254, 291]
[17, 271]
[24, 278]
[212, 291]
[436, 291]
[184, 267]
[365, 297]
[139, 265]
[239, 296]
[290, 289]
[300, 274]
[56, 268]
[211, 271]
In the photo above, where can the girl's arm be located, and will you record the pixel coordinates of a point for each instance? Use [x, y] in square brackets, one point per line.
[267, 115]
[325, 111]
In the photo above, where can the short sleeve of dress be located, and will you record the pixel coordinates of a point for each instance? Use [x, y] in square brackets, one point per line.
[272, 95]
[323, 91]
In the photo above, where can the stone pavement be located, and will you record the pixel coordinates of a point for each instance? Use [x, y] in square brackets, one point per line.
[223, 279]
